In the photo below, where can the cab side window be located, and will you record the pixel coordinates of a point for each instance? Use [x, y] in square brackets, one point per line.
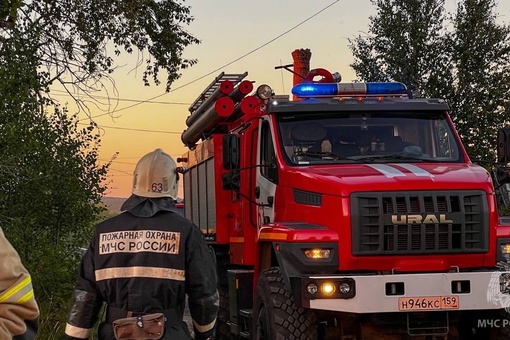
[268, 167]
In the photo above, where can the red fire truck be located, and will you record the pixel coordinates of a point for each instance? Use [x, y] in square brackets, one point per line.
[352, 212]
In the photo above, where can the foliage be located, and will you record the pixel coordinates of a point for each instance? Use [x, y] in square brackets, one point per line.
[468, 65]
[76, 37]
[403, 44]
[480, 53]
[49, 179]
[80, 43]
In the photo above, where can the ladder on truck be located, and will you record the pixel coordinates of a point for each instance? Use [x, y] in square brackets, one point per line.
[214, 86]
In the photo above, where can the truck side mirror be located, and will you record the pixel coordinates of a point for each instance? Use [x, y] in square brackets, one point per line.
[231, 152]
[504, 145]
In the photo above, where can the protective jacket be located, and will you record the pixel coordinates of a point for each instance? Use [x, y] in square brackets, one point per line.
[18, 309]
[146, 260]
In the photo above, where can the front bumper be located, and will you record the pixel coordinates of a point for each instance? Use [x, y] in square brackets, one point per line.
[408, 292]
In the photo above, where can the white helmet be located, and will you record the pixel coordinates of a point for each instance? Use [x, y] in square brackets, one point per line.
[156, 176]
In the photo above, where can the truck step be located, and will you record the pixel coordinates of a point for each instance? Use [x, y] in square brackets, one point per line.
[436, 327]
[245, 335]
[247, 313]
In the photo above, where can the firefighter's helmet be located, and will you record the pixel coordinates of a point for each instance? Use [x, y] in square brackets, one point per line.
[156, 176]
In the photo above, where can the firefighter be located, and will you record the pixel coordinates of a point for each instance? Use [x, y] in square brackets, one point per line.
[19, 312]
[146, 260]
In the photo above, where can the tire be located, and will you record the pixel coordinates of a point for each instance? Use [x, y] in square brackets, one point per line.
[222, 327]
[275, 315]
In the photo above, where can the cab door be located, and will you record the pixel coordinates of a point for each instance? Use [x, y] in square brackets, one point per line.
[267, 174]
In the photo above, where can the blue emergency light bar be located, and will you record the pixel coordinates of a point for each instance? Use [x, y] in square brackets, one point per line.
[308, 90]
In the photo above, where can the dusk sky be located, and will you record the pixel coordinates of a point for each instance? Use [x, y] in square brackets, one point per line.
[236, 36]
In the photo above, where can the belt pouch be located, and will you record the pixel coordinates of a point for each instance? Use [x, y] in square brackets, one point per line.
[150, 326]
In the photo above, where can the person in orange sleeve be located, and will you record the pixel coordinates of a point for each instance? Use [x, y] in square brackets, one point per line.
[19, 312]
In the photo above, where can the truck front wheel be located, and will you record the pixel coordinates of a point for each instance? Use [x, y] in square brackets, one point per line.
[276, 316]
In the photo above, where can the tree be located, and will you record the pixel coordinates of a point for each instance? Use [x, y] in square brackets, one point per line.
[51, 181]
[469, 66]
[403, 43]
[480, 56]
[79, 41]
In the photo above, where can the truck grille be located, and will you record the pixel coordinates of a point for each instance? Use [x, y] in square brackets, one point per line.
[417, 222]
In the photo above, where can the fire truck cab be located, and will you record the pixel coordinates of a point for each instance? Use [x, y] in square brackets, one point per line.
[353, 212]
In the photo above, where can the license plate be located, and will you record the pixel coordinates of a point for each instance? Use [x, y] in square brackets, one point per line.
[429, 303]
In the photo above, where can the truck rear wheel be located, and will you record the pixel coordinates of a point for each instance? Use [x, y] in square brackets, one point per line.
[276, 316]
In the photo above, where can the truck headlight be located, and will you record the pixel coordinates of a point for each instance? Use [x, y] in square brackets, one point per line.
[344, 288]
[505, 248]
[312, 288]
[318, 253]
[327, 288]
[503, 252]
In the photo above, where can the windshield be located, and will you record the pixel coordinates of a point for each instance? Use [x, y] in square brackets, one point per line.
[357, 137]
